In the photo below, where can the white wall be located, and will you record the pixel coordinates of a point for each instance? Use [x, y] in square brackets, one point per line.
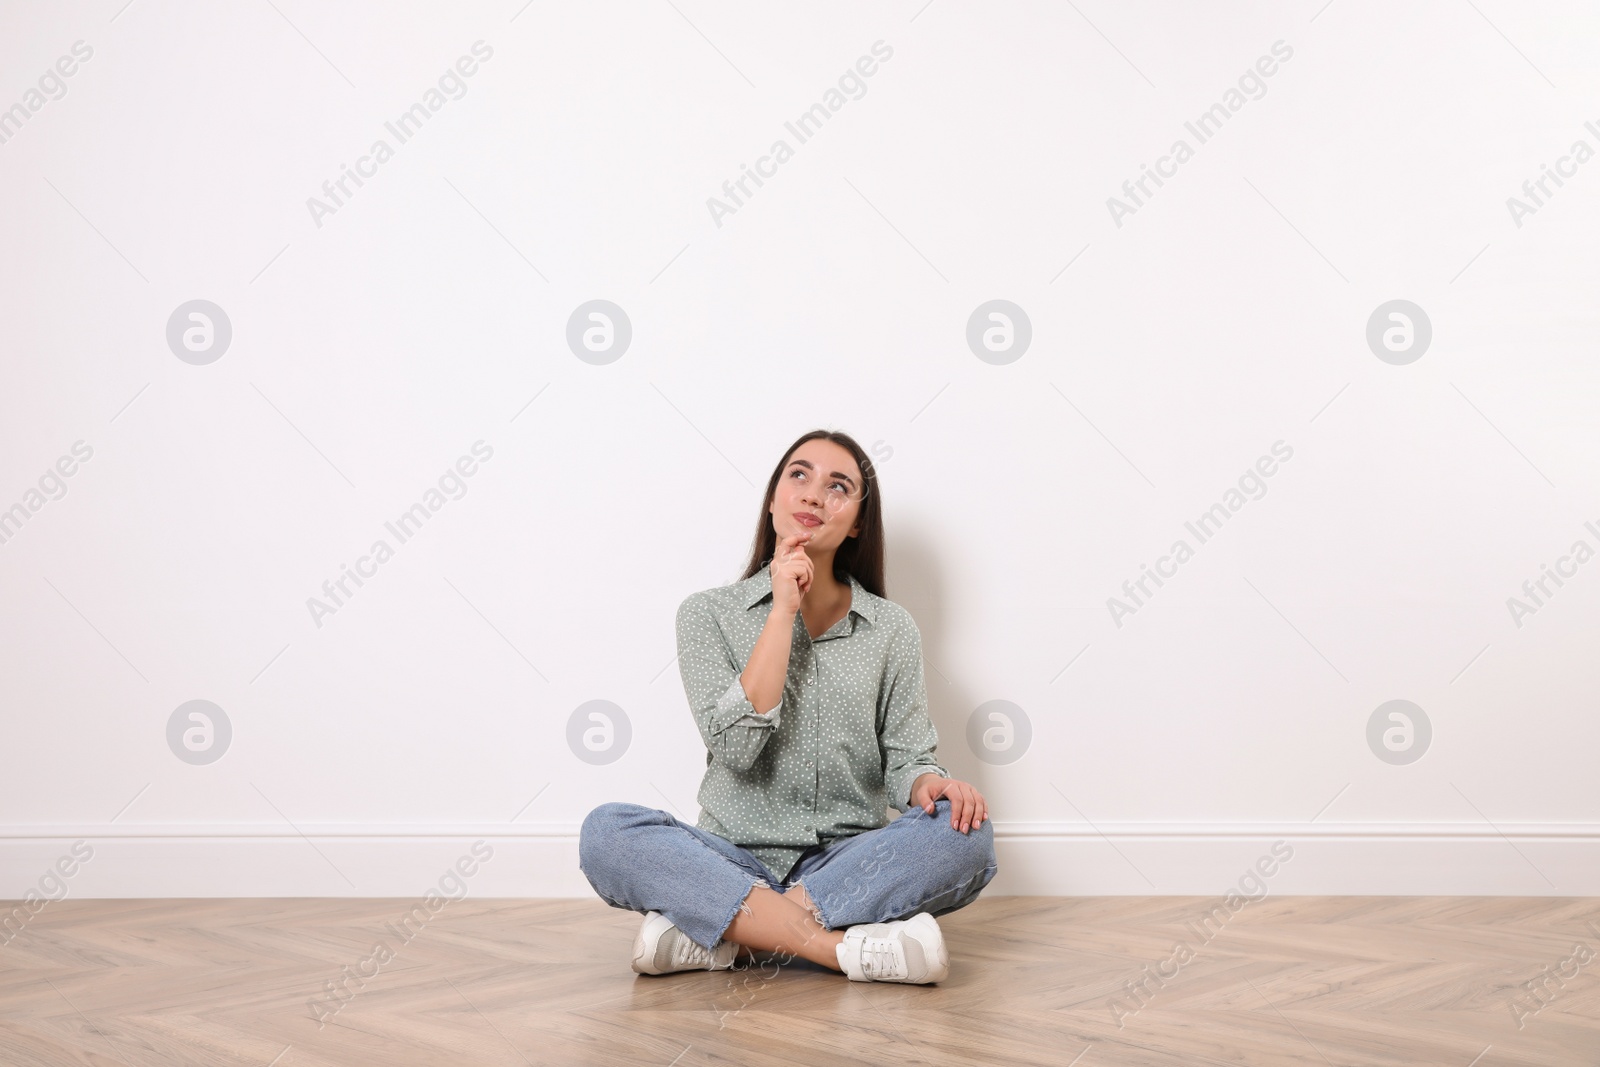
[1171, 349]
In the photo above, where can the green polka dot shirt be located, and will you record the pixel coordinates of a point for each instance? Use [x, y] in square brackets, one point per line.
[849, 736]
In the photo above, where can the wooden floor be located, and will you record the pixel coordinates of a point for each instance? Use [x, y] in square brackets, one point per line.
[1286, 980]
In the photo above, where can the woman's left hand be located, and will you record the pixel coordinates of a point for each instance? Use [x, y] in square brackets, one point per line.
[967, 806]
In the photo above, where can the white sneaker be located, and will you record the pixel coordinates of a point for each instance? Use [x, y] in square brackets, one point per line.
[905, 950]
[662, 948]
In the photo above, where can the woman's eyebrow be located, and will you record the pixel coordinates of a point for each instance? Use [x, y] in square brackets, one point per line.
[806, 463]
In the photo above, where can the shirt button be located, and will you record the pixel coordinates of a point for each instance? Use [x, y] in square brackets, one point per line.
[808, 763]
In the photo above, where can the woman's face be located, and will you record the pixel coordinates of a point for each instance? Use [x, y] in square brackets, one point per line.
[821, 479]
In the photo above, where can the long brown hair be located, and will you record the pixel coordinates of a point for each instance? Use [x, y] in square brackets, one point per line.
[861, 555]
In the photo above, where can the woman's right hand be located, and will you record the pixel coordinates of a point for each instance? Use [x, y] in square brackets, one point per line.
[791, 573]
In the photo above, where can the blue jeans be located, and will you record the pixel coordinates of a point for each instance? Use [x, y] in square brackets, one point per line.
[643, 859]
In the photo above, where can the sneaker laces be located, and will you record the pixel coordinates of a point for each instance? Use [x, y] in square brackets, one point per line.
[686, 953]
[883, 957]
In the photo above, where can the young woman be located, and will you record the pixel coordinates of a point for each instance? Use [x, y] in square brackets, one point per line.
[806, 685]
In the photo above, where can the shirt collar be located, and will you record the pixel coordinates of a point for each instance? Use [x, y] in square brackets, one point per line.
[758, 587]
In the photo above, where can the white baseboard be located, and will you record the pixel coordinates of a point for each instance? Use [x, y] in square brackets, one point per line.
[1036, 858]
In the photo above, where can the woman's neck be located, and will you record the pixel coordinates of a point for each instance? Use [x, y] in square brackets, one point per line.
[825, 591]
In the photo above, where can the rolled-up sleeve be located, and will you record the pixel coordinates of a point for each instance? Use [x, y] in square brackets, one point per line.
[908, 737]
[733, 731]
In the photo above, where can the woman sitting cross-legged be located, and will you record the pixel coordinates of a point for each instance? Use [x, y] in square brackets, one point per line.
[806, 685]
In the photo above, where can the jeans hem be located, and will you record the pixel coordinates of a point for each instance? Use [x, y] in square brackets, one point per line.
[816, 907]
[738, 907]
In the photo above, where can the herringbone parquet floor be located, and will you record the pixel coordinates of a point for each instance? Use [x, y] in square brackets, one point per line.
[1319, 981]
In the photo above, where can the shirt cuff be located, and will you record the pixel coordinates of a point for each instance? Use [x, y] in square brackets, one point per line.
[907, 777]
[736, 695]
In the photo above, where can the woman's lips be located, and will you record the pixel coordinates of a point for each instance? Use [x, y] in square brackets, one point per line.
[805, 519]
